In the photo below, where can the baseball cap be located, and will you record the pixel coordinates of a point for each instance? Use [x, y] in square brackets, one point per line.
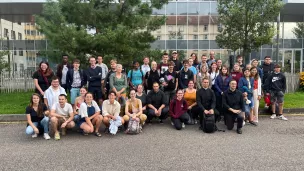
[174, 51]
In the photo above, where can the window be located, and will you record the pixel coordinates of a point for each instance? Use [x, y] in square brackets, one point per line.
[5, 32]
[205, 27]
[21, 66]
[206, 36]
[15, 66]
[219, 28]
[181, 28]
[28, 32]
[195, 36]
[194, 29]
[15, 51]
[19, 23]
[13, 36]
[33, 32]
[158, 38]
[170, 28]
[20, 52]
[19, 36]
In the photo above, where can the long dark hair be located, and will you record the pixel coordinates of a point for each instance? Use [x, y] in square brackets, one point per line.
[195, 61]
[48, 71]
[210, 69]
[221, 71]
[40, 105]
[256, 77]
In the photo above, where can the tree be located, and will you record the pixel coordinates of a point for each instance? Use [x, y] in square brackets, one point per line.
[247, 24]
[299, 30]
[120, 30]
[3, 63]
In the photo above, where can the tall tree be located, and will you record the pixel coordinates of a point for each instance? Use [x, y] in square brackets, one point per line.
[247, 24]
[3, 63]
[299, 30]
[107, 27]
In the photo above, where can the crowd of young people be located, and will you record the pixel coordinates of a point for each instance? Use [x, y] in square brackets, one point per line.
[188, 91]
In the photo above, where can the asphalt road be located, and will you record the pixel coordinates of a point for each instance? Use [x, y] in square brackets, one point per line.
[273, 145]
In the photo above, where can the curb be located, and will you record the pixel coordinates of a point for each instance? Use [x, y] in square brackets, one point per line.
[263, 112]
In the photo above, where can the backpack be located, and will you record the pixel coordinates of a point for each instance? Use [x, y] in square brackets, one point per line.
[142, 74]
[133, 127]
[208, 124]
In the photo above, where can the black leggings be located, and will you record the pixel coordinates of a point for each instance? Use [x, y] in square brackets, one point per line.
[177, 122]
[194, 112]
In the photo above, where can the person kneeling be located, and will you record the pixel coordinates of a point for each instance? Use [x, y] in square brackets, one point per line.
[110, 112]
[133, 109]
[233, 104]
[90, 116]
[62, 116]
[178, 111]
[206, 101]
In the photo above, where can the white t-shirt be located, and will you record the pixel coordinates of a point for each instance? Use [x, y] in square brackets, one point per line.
[65, 111]
[64, 73]
[56, 96]
[83, 110]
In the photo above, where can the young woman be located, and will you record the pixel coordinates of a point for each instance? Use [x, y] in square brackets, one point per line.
[245, 85]
[119, 82]
[213, 73]
[80, 99]
[90, 116]
[236, 72]
[257, 92]
[42, 78]
[178, 111]
[142, 97]
[134, 109]
[36, 114]
[190, 97]
[255, 63]
[193, 56]
[221, 85]
[201, 75]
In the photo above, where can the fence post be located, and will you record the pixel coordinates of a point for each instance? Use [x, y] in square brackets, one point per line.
[25, 80]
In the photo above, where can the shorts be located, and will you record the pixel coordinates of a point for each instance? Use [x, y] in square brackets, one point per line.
[82, 120]
[277, 96]
[96, 91]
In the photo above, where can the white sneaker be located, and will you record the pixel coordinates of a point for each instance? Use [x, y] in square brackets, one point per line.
[283, 118]
[46, 136]
[244, 123]
[34, 135]
[183, 125]
[172, 123]
[273, 116]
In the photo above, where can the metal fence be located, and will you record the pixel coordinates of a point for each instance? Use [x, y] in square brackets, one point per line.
[20, 81]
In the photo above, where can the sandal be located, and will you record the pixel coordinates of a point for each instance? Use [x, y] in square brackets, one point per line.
[97, 134]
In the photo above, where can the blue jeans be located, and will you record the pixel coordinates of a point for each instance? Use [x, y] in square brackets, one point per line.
[44, 123]
[75, 92]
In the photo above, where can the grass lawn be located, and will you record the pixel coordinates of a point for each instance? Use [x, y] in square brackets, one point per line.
[15, 103]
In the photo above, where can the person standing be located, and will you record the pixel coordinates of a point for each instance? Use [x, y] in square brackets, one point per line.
[75, 79]
[203, 62]
[185, 75]
[275, 85]
[42, 78]
[118, 82]
[233, 104]
[178, 64]
[164, 65]
[145, 67]
[255, 63]
[201, 75]
[94, 77]
[62, 70]
[211, 58]
[239, 60]
[236, 72]
[257, 92]
[112, 70]
[171, 82]
[193, 69]
[214, 72]
[135, 76]
[219, 64]
[152, 76]
[103, 66]
[193, 56]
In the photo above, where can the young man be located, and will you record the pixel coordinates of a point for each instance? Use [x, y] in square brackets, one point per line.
[62, 116]
[112, 70]
[205, 99]
[163, 66]
[211, 59]
[233, 104]
[157, 104]
[152, 76]
[145, 67]
[203, 62]
[75, 80]
[111, 109]
[192, 68]
[103, 66]
[135, 76]
[94, 77]
[171, 82]
[185, 75]
[62, 70]
[267, 68]
[178, 64]
[52, 93]
[239, 60]
[276, 86]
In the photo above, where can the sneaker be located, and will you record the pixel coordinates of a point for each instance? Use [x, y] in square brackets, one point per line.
[195, 121]
[239, 131]
[63, 131]
[283, 118]
[273, 116]
[46, 136]
[172, 123]
[253, 123]
[183, 125]
[161, 121]
[57, 136]
[266, 107]
[34, 135]
[106, 131]
[244, 123]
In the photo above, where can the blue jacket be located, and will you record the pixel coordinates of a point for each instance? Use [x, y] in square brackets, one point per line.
[243, 85]
[220, 85]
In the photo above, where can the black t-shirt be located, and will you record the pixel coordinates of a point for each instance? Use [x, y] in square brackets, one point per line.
[43, 85]
[143, 99]
[33, 113]
[152, 77]
[170, 78]
[184, 78]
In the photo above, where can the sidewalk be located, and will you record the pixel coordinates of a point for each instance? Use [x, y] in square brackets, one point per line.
[22, 117]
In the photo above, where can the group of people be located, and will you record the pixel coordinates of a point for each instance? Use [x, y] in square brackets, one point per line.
[189, 91]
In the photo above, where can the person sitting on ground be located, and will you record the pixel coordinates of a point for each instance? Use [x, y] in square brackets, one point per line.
[78, 101]
[156, 101]
[190, 97]
[37, 117]
[90, 116]
[134, 109]
[62, 116]
[111, 110]
[178, 111]
[233, 103]
[52, 93]
[206, 101]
